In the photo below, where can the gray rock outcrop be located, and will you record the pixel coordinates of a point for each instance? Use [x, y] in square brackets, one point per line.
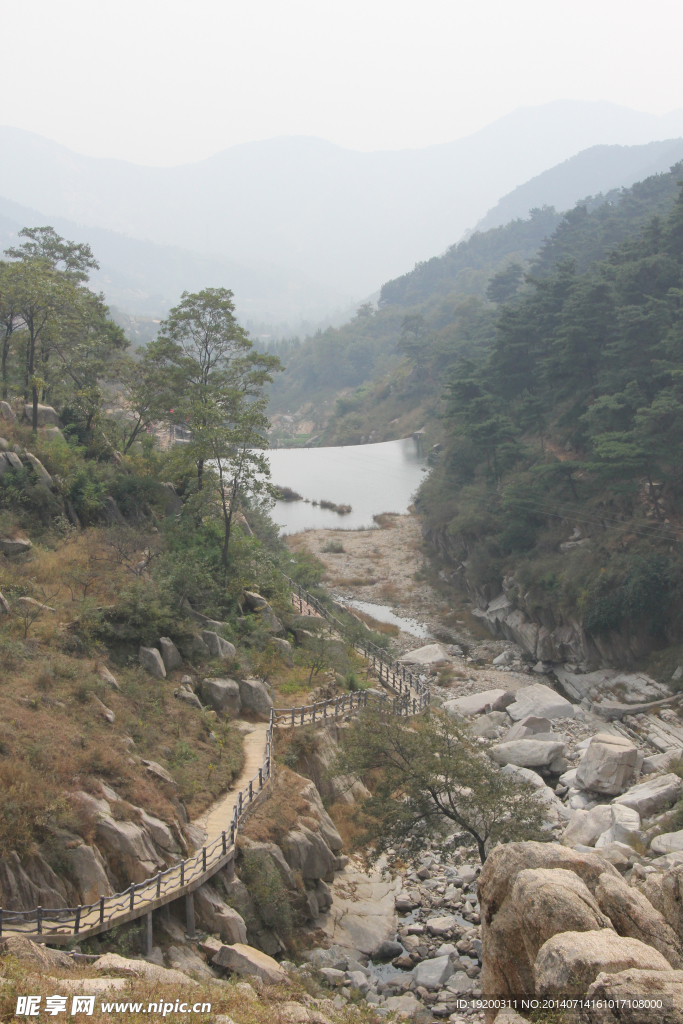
[170, 655]
[608, 765]
[507, 967]
[150, 659]
[47, 416]
[247, 961]
[618, 997]
[541, 702]
[88, 871]
[652, 796]
[14, 546]
[549, 901]
[218, 647]
[569, 962]
[41, 474]
[128, 847]
[31, 882]
[223, 695]
[528, 753]
[255, 697]
[633, 916]
[216, 916]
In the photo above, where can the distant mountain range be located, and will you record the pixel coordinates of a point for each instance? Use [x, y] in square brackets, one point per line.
[596, 170]
[145, 278]
[299, 226]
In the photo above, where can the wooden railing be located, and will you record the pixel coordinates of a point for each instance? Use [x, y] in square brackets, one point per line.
[391, 672]
[409, 697]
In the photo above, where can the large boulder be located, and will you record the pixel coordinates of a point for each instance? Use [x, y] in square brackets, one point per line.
[170, 655]
[586, 828]
[222, 695]
[119, 965]
[255, 697]
[633, 916]
[268, 856]
[628, 996]
[88, 871]
[284, 649]
[569, 962]
[556, 811]
[432, 974]
[14, 546]
[250, 962]
[267, 617]
[425, 657]
[218, 647]
[667, 842]
[532, 725]
[162, 836]
[41, 474]
[507, 968]
[608, 765]
[38, 956]
[217, 917]
[326, 826]
[541, 702]
[652, 796]
[665, 892]
[150, 659]
[31, 882]
[489, 725]
[553, 900]
[129, 849]
[307, 852]
[47, 416]
[474, 703]
[527, 753]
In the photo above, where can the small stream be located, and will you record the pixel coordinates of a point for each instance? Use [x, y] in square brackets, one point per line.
[383, 613]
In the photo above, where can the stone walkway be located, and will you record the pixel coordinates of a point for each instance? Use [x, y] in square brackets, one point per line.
[217, 818]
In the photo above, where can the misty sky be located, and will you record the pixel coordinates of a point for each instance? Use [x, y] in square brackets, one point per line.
[172, 81]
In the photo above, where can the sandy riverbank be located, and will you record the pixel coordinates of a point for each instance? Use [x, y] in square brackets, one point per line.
[390, 567]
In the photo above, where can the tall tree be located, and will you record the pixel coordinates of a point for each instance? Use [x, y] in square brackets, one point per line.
[210, 365]
[430, 779]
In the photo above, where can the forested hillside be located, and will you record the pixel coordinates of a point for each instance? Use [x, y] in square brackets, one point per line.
[560, 478]
[381, 375]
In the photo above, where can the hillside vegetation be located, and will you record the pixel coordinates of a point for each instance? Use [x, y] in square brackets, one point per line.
[381, 375]
[561, 465]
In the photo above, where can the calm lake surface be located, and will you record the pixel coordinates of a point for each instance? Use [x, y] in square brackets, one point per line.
[372, 478]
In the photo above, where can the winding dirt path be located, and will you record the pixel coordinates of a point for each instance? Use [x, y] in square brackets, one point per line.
[217, 818]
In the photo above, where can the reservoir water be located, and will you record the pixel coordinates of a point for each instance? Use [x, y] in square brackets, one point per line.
[372, 478]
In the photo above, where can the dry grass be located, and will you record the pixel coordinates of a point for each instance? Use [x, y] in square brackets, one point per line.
[379, 627]
[279, 813]
[21, 978]
[357, 581]
[54, 738]
[344, 817]
[385, 520]
[390, 593]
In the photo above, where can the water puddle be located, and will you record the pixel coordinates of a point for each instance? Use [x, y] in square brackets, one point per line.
[383, 613]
